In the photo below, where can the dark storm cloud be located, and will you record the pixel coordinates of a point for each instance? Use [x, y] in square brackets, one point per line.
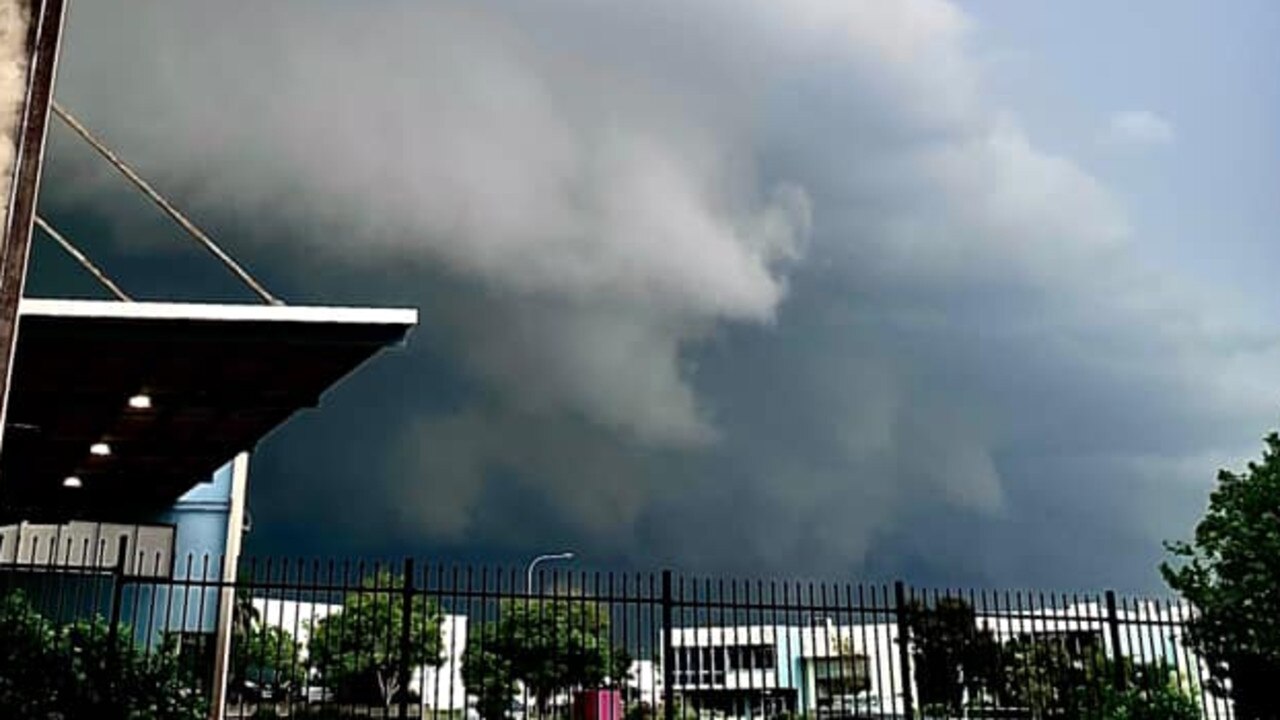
[734, 286]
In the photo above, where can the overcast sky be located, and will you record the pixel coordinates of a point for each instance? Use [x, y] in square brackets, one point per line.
[973, 293]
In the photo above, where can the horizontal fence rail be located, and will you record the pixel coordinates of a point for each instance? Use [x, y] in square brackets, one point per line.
[404, 639]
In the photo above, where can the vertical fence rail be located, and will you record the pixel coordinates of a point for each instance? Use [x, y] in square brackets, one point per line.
[117, 602]
[904, 649]
[1113, 630]
[668, 651]
[406, 623]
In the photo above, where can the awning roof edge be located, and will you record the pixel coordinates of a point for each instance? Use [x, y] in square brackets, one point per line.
[146, 310]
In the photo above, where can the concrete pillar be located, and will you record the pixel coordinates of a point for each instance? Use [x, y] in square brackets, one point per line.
[227, 593]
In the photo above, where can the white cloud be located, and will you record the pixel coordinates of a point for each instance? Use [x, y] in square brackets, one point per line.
[1139, 127]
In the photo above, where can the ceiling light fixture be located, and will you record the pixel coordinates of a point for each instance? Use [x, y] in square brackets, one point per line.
[141, 401]
[100, 449]
[72, 482]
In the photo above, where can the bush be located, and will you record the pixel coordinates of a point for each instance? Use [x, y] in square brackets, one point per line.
[73, 671]
[1165, 702]
[638, 711]
[26, 663]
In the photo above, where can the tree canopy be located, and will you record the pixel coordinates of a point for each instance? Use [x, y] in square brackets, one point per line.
[548, 646]
[357, 650]
[959, 665]
[1230, 574]
[951, 654]
[267, 655]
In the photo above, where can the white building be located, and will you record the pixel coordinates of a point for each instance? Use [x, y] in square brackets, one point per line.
[769, 670]
[825, 668]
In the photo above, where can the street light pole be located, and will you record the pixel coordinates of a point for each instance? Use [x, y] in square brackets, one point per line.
[528, 575]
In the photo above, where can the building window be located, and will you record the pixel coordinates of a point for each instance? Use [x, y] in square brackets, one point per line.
[751, 657]
[699, 666]
[708, 665]
[839, 677]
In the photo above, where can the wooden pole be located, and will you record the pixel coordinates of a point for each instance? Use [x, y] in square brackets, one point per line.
[43, 38]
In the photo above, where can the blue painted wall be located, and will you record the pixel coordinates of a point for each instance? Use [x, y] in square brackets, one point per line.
[200, 541]
[201, 517]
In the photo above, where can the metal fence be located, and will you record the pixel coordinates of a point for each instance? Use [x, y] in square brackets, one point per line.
[406, 639]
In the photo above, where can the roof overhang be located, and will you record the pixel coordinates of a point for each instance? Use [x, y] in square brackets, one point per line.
[219, 379]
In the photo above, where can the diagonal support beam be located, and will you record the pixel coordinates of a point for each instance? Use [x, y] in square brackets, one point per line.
[169, 209]
[83, 259]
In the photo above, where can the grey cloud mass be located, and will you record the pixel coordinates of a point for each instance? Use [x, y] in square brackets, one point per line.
[736, 285]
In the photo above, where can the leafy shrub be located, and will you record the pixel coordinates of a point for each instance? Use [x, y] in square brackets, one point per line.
[26, 663]
[1152, 698]
[75, 672]
[638, 711]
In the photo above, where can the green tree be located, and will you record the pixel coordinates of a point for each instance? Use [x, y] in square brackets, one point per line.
[488, 675]
[268, 655]
[244, 616]
[1230, 574]
[547, 646]
[357, 650]
[1050, 679]
[950, 653]
[260, 653]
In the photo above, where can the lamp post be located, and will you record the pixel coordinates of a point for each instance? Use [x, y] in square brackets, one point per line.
[528, 575]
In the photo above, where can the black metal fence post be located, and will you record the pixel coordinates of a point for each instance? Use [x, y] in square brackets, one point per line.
[668, 651]
[1113, 628]
[117, 600]
[406, 618]
[904, 649]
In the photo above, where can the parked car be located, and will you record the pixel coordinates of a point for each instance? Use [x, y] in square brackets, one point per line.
[261, 686]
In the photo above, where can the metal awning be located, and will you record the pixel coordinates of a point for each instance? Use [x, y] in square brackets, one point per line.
[212, 380]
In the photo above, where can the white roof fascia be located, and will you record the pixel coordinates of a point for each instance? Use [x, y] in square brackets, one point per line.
[112, 309]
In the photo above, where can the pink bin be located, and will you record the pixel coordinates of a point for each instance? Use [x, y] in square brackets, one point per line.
[598, 705]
